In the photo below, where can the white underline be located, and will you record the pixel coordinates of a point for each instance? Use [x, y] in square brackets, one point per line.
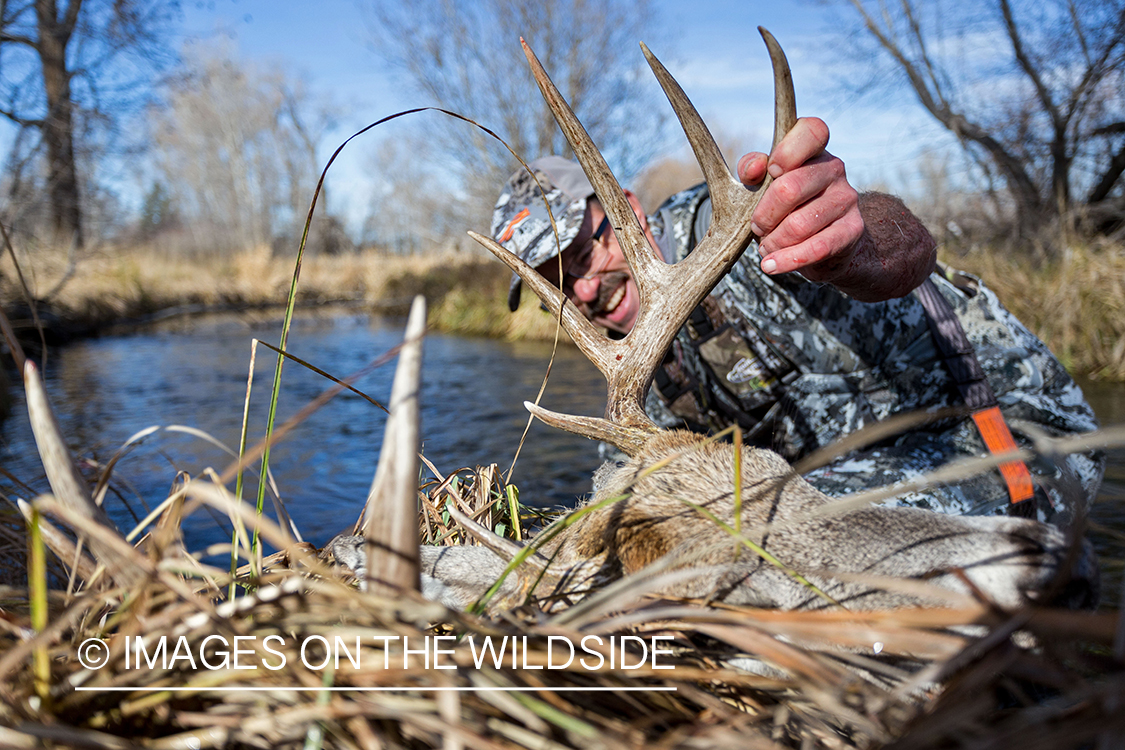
[381, 689]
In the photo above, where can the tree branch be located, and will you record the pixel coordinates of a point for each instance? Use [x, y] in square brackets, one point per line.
[1109, 178]
[1028, 67]
[17, 39]
[956, 122]
[70, 19]
[21, 121]
[1096, 70]
[1112, 128]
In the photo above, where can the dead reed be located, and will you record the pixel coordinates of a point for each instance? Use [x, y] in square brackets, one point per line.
[724, 677]
[1074, 301]
[292, 655]
[302, 659]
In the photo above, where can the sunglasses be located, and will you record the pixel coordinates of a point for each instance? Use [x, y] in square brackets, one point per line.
[582, 264]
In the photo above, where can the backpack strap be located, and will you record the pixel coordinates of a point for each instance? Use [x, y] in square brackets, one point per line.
[978, 395]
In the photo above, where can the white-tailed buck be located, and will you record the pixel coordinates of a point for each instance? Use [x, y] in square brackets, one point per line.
[674, 506]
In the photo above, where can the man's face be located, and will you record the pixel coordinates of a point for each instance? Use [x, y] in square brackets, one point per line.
[596, 277]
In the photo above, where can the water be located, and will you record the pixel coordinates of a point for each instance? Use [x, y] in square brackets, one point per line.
[107, 389]
[1107, 516]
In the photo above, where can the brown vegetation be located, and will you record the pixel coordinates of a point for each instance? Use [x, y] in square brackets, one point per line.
[739, 677]
[1075, 301]
[466, 293]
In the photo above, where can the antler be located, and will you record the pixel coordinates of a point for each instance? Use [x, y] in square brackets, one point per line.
[390, 518]
[668, 292]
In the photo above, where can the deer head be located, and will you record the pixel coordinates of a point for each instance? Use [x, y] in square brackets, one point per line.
[709, 519]
[668, 293]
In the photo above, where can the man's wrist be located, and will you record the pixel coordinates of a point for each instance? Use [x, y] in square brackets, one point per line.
[894, 254]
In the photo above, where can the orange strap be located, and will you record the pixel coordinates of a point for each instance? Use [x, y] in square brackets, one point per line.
[999, 439]
[961, 359]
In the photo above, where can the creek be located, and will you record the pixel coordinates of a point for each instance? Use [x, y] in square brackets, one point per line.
[194, 373]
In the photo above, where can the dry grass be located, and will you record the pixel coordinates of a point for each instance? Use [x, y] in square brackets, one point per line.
[911, 679]
[739, 677]
[466, 293]
[1075, 302]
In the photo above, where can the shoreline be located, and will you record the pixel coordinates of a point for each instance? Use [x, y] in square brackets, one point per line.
[1073, 304]
[116, 292]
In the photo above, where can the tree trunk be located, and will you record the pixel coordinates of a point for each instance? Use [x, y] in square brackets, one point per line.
[58, 127]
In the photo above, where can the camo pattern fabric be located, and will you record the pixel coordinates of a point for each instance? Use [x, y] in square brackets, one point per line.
[821, 366]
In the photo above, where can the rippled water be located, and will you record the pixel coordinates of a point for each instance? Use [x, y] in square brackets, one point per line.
[107, 389]
[1108, 513]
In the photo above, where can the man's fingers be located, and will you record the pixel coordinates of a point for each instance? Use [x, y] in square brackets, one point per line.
[819, 258]
[807, 139]
[808, 219]
[752, 168]
[802, 224]
[794, 189]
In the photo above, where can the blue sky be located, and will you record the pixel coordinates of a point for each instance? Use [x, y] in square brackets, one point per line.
[717, 57]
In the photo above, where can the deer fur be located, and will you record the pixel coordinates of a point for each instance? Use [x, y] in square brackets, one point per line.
[1011, 561]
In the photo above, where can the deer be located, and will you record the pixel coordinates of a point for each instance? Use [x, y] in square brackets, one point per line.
[716, 520]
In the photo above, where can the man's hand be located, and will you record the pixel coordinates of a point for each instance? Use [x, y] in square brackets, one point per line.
[810, 220]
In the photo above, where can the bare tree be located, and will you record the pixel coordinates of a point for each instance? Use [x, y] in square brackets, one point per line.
[237, 146]
[1033, 89]
[68, 68]
[466, 57]
[411, 209]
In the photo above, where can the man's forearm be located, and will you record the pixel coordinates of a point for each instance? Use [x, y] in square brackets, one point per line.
[895, 253]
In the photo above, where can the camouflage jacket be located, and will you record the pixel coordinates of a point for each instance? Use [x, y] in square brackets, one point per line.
[799, 364]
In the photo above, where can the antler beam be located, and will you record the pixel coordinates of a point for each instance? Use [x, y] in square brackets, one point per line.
[668, 293]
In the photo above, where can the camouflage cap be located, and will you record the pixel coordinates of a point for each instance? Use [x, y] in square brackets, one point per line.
[520, 222]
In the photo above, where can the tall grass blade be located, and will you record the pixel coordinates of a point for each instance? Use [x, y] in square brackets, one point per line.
[37, 582]
[242, 439]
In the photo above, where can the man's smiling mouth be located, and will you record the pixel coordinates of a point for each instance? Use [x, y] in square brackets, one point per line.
[610, 293]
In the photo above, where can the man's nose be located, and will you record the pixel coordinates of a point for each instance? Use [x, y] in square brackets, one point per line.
[585, 290]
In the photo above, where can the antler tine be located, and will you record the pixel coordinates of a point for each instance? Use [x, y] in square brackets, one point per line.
[629, 438]
[668, 293]
[702, 142]
[586, 337]
[630, 236]
[677, 289]
[599, 350]
[726, 191]
[732, 204]
[626, 425]
[785, 101]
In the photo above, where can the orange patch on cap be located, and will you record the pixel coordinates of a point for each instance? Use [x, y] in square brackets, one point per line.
[511, 228]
